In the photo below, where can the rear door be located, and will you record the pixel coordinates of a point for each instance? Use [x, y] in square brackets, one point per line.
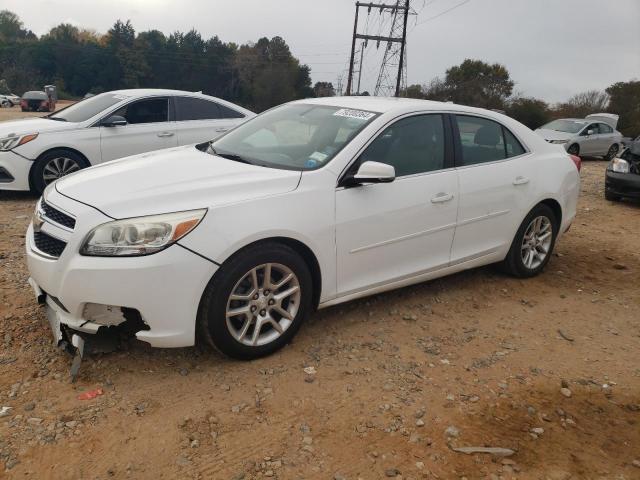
[606, 138]
[149, 127]
[200, 119]
[493, 175]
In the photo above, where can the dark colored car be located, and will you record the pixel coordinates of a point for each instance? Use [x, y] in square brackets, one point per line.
[36, 101]
[622, 178]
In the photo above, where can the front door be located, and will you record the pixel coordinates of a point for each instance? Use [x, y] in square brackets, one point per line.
[148, 128]
[392, 231]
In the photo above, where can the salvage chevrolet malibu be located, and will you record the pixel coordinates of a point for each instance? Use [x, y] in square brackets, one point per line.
[234, 242]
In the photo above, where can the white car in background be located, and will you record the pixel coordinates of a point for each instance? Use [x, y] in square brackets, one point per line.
[310, 204]
[36, 151]
[595, 135]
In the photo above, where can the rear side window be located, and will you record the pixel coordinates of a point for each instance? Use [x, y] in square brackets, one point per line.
[189, 108]
[484, 140]
[152, 110]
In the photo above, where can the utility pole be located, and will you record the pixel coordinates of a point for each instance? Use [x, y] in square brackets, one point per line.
[394, 51]
[360, 66]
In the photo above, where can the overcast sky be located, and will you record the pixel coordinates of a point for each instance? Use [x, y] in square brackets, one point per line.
[552, 48]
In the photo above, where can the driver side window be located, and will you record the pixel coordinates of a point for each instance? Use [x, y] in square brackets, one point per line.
[411, 145]
[150, 110]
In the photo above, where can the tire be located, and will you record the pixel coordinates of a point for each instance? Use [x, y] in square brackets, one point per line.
[612, 152]
[235, 335]
[574, 149]
[611, 197]
[516, 262]
[7, 104]
[44, 168]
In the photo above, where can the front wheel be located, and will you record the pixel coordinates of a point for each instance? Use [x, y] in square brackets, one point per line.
[612, 152]
[533, 244]
[53, 165]
[574, 149]
[256, 302]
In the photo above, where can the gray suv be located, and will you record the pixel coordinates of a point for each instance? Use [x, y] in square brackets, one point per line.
[594, 136]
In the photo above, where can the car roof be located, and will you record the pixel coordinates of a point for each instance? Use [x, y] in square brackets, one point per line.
[153, 91]
[392, 104]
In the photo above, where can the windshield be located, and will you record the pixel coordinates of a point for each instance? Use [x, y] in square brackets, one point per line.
[87, 108]
[568, 126]
[295, 137]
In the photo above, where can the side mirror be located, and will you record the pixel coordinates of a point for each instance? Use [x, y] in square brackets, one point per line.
[114, 121]
[373, 172]
[590, 132]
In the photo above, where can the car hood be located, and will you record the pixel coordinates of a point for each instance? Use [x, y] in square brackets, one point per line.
[33, 125]
[172, 180]
[554, 134]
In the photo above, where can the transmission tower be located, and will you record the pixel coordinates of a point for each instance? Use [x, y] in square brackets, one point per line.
[393, 72]
[392, 76]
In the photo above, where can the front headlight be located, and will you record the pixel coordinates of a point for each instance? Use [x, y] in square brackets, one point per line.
[619, 165]
[558, 142]
[9, 143]
[141, 235]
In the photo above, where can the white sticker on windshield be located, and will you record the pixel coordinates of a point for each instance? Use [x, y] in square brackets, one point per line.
[359, 114]
[319, 156]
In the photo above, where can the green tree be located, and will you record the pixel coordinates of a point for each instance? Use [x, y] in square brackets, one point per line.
[625, 101]
[324, 89]
[478, 84]
[530, 111]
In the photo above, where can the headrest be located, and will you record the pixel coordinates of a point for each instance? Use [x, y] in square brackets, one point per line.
[489, 136]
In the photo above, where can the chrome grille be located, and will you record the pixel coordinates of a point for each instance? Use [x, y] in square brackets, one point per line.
[57, 216]
[48, 244]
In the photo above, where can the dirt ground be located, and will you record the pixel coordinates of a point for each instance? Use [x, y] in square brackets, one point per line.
[475, 359]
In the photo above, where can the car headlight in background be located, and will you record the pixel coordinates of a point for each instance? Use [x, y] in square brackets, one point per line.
[141, 235]
[9, 143]
[619, 165]
[558, 142]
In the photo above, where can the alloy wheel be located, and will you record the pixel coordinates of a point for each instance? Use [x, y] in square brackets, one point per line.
[536, 242]
[57, 168]
[613, 150]
[263, 304]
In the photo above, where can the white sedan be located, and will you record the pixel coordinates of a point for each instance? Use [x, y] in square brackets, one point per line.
[36, 151]
[234, 242]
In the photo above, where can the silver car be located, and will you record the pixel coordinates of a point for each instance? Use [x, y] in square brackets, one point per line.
[593, 136]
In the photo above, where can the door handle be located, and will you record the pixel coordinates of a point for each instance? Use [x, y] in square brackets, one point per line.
[521, 180]
[442, 197]
[166, 134]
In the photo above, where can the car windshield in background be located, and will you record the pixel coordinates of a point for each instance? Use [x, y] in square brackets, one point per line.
[568, 126]
[295, 137]
[87, 108]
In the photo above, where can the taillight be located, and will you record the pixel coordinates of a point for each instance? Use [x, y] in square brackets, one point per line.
[23, 103]
[577, 160]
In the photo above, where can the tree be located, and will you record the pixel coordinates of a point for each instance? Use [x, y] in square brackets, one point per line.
[478, 84]
[11, 28]
[324, 89]
[532, 112]
[583, 104]
[625, 101]
[413, 91]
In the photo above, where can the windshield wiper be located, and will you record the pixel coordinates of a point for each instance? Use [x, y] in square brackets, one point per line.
[230, 156]
[57, 119]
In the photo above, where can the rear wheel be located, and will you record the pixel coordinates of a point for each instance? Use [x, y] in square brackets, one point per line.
[53, 165]
[574, 149]
[533, 244]
[256, 302]
[612, 152]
